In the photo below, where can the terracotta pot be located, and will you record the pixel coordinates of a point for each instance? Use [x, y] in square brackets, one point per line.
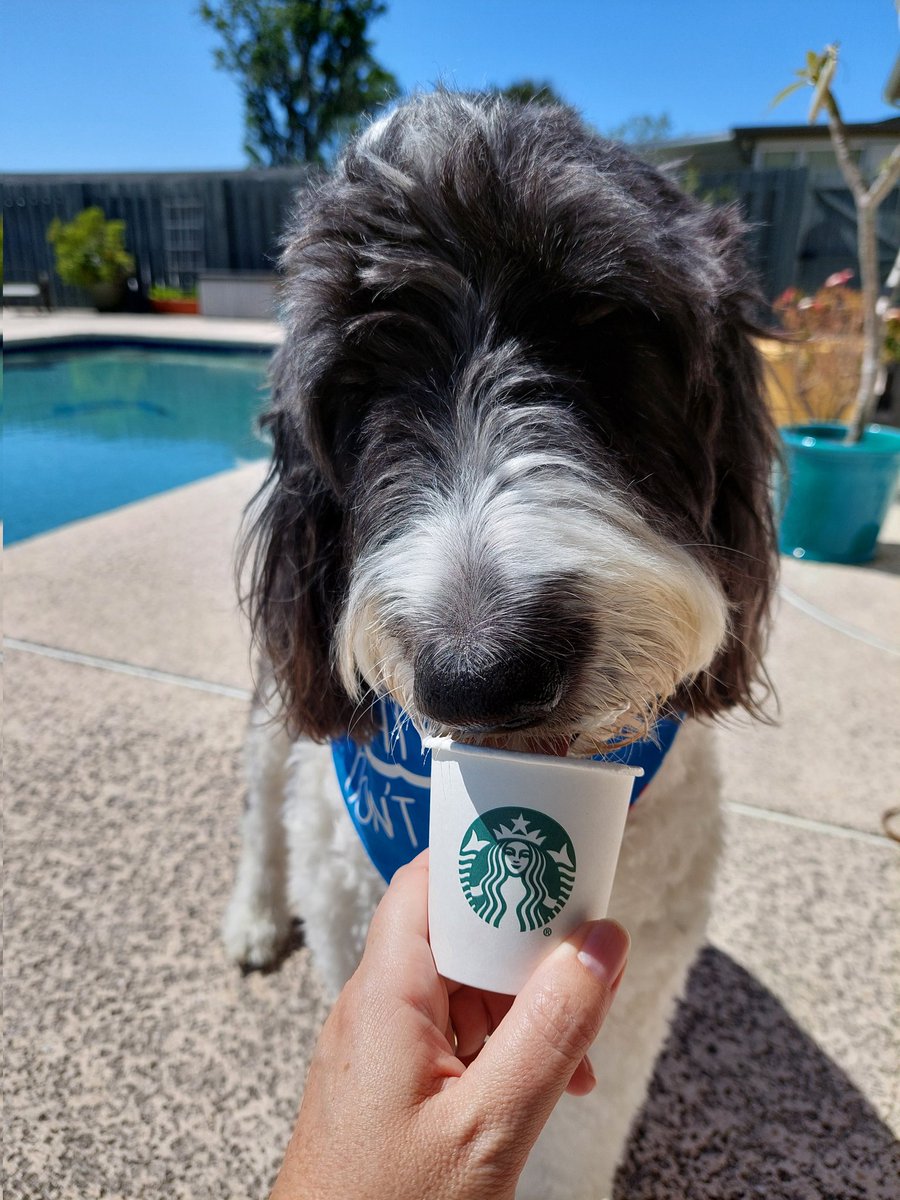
[175, 306]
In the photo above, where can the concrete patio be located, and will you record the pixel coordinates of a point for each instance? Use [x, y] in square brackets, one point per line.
[139, 1063]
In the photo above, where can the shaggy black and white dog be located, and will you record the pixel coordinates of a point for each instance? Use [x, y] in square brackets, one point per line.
[520, 485]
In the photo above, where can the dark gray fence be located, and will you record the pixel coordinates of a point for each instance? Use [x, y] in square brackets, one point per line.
[177, 225]
[773, 204]
[802, 226]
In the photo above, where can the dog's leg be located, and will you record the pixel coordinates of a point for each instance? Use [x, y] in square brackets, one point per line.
[661, 895]
[257, 921]
[331, 880]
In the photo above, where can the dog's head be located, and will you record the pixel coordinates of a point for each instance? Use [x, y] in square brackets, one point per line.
[521, 455]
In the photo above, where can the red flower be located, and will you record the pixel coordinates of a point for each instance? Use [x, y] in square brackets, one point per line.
[839, 278]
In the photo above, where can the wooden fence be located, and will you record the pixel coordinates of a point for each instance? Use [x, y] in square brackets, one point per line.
[178, 225]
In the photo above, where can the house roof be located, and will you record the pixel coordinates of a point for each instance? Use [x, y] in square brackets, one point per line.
[696, 139]
[890, 127]
[744, 137]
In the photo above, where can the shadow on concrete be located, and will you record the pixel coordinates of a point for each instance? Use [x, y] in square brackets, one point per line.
[887, 559]
[744, 1103]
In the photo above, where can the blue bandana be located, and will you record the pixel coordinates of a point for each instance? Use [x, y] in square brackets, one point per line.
[386, 783]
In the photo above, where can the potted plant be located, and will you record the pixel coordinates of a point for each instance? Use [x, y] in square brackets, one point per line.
[90, 254]
[173, 300]
[841, 474]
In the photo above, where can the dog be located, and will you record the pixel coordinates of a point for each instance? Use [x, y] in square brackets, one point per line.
[519, 495]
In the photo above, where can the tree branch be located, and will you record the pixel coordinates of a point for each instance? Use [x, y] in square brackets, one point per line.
[849, 169]
[888, 176]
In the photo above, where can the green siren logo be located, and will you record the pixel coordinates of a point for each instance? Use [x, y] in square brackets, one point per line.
[516, 865]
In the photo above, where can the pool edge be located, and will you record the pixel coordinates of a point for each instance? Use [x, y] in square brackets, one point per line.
[74, 327]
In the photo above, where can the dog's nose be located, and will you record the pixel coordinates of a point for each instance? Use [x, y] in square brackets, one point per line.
[519, 691]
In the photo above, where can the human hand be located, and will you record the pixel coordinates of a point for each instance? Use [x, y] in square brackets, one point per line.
[405, 1098]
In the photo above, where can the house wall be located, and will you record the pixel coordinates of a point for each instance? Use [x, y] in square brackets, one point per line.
[818, 154]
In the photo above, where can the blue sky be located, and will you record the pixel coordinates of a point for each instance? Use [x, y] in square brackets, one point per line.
[130, 84]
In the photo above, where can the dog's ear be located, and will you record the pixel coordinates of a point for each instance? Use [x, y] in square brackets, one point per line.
[729, 403]
[293, 548]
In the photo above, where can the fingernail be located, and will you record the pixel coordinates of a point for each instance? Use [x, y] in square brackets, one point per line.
[604, 950]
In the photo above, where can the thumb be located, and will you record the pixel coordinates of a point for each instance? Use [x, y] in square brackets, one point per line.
[527, 1062]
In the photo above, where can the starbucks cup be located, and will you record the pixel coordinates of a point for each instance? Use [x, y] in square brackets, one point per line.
[523, 851]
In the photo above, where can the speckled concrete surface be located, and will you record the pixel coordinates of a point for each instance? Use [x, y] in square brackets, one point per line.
[836, 588]
[814, 920]
[834, 754]
[744, 1104]
[138, 1064]
[120, 586]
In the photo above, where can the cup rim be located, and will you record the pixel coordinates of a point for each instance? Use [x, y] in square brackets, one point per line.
[446, 745]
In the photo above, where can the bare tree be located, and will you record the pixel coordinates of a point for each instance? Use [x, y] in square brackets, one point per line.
[818, 74]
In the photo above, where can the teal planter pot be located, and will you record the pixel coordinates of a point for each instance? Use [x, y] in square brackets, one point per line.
[834, 497]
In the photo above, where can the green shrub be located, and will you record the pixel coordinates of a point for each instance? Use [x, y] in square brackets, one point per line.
[89, 249]
[158, 292]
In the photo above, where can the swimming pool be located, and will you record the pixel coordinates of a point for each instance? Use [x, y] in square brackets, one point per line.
[90, 428]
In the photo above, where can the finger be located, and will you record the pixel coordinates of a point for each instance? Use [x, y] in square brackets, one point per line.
[583, 1081]
[471, 1021]
[403, 910]
[397, 962]
[475, 1015]
[524, 1068]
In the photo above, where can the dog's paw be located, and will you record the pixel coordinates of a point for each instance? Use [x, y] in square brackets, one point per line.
[255, 937]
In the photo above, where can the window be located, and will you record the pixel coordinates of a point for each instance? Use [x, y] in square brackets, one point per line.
[779, 158]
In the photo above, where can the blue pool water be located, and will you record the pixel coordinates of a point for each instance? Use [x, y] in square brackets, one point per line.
[86, 430]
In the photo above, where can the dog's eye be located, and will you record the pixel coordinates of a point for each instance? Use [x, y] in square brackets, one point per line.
[596, 312]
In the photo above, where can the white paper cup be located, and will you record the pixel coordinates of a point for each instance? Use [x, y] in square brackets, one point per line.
[523, 851]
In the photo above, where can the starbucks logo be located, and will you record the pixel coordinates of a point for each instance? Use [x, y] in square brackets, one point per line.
[516, 868]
